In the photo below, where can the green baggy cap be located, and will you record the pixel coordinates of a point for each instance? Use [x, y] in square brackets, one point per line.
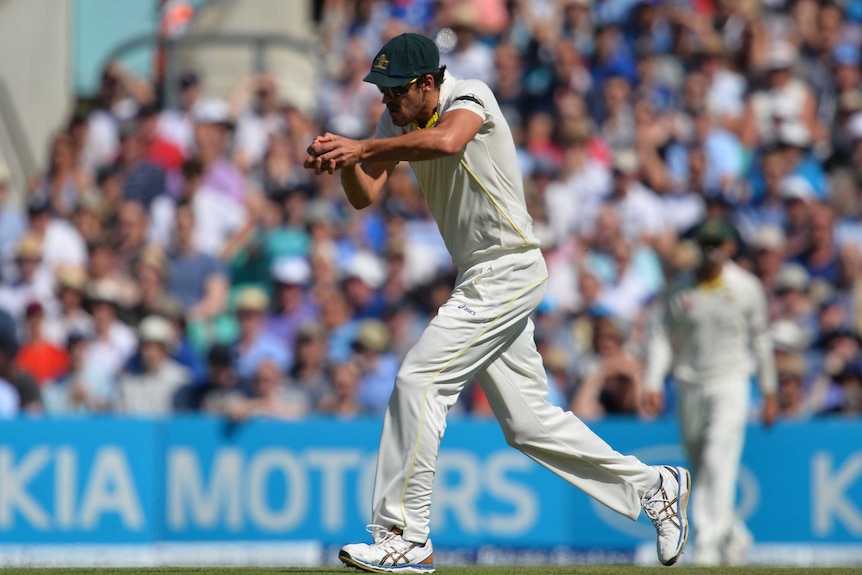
[713, 230]
[402, 59]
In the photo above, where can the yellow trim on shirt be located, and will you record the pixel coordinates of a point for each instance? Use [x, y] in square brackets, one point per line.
[712, 285]
[493, 201]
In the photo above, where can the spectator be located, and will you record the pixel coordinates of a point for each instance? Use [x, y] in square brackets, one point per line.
[132, 236]
[377, 365]
[13, 224]
[10, 401]
[38, 357]
[158, 150]
[213, 125]
[151, 390]
[196, 279]
[342, 401]
[64, 179]
[70, 317]
[61, 242]
[113, 342]
[611, 378]
[143, 180]
[151, 271]
[274, 395]
[81, 391]
[346, 101]
[293, 307]
[30, 282]
[310, 371]
[176, 125]
[255, 104]
[254, 344]
[222, 392]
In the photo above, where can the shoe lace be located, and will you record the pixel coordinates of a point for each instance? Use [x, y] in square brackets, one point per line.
[379, 533]
[659, 508]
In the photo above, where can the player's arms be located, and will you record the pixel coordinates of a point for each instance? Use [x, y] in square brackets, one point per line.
[451, 135]
[362, 183]
[448, 137]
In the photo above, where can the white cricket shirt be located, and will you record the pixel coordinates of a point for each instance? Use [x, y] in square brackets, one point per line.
[707, 334]
[476, 196]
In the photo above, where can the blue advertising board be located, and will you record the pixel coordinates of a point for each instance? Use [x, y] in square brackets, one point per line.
[205, 479]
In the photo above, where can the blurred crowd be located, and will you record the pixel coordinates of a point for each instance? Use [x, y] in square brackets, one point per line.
[172, 259]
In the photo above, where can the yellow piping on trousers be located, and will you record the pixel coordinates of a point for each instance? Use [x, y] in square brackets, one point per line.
[433, 379]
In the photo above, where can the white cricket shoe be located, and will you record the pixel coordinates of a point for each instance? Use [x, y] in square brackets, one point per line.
[390, 553]
[666, 508]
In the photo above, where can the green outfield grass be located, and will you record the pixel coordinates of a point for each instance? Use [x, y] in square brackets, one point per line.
[579, 570]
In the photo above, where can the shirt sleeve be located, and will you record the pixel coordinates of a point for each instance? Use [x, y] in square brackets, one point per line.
[761, 343]
[472, 95]
[659, 351]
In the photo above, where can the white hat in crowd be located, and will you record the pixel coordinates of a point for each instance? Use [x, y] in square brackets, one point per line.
[368, 268]
[291, 271]
[156, 329]
[796, 187]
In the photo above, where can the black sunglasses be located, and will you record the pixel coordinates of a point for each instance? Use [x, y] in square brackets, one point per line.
[397, 91]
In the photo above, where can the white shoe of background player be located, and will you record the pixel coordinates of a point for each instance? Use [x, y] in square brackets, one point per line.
[390, 553]
[666, 508]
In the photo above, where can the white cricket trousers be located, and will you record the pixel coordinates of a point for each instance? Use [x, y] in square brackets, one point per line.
[484, 332]
[713, 420]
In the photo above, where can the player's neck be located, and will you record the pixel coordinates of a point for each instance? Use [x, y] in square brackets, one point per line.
[707, 275]
[428, 116]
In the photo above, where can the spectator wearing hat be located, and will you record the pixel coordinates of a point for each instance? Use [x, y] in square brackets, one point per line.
[378, 366]
[637, 207]
[151, 273]
[13, 222]
[784, 99]
[363, 279]
[151, 390]
[29, 280]
[293, 307]
[89, 216]
[254, 344]
[113, 342]
[38, 357]
[469, 57]
[799, 201]
[61, 242]
[196, 279]
[336, 315]
[768, 252]
[792, 396]
[791, 290]
[10, 401]
[213, 127]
